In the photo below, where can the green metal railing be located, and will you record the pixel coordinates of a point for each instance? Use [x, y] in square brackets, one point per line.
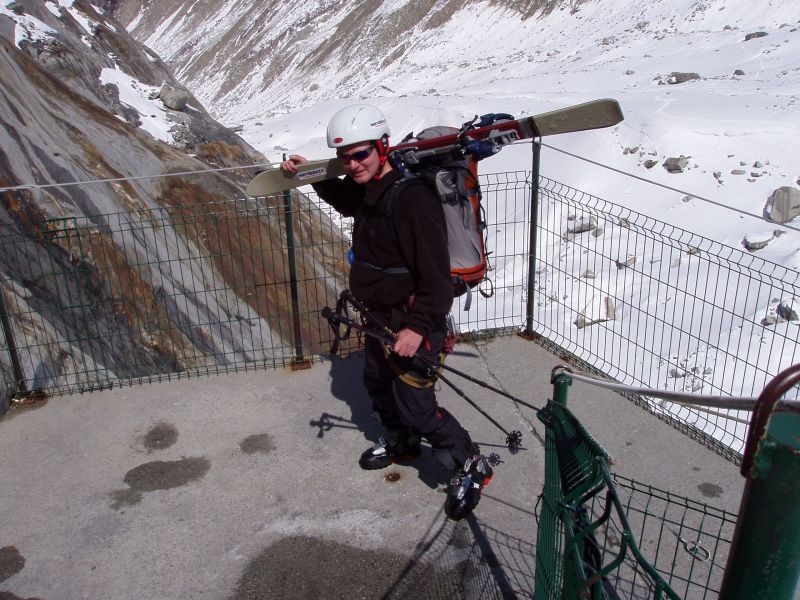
[603, 536]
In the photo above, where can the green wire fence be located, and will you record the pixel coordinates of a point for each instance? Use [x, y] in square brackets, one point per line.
[605, 536]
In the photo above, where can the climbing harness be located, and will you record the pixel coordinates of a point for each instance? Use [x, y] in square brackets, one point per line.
[370, 325]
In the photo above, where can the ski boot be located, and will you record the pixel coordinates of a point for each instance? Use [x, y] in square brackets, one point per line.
[464, 489]
[385, 452]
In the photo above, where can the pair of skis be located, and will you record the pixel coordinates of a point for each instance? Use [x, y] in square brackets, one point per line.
[474, 138]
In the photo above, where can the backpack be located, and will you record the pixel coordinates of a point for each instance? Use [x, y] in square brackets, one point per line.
[454, 181]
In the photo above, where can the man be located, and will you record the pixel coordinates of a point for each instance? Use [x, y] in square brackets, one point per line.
[401, 272]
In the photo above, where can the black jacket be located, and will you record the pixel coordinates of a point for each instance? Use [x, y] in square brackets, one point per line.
[417, 242]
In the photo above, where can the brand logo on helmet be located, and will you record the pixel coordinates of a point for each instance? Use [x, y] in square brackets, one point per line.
[378, 123]
[338, 140]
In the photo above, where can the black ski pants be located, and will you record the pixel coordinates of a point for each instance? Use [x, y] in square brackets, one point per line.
[402, 407]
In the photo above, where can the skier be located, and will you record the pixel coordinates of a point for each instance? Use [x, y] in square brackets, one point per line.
[401, 273]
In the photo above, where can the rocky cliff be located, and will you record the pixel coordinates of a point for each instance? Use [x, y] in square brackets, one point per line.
[95, 277]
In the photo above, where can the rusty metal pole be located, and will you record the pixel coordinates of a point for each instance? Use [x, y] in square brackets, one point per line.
[299, 361]
[764, 562]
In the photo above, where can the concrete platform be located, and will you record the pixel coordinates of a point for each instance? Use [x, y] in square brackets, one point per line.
[247, 486]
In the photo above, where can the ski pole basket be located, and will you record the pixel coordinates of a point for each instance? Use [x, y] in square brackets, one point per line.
[603, 536]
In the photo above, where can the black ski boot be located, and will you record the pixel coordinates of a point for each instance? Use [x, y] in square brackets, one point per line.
[464, 489]
[384, 452]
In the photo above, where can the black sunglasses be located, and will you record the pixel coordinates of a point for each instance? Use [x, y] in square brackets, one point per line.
[355, 156]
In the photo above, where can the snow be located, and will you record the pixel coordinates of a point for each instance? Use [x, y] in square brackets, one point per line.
[27, 28]
[141, 96]
[486, 59]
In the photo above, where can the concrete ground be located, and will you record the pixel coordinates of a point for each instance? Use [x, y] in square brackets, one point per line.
[247, 486]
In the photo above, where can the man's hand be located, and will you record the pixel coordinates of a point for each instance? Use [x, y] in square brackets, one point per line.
[408, 342]
[290, 164]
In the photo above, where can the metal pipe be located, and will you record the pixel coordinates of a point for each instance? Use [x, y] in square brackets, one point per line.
[295, 296]
[764, 562]
[536, 150]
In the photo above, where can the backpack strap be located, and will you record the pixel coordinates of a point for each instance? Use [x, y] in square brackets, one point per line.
[385, 207]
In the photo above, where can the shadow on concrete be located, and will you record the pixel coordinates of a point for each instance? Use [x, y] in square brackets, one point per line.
[347, 386]
[467, 559]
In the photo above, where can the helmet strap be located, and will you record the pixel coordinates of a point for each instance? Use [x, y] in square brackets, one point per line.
[382, 146]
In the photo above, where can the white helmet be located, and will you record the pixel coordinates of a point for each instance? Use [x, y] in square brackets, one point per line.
[357, 123]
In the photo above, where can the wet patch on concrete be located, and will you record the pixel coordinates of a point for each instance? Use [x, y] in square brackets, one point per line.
[23, 406]
[162, 435]
[258, 443]
[10, 596]
[11, 562]
[392, 476]
[710, 490]
[158, 475]
[298, 568]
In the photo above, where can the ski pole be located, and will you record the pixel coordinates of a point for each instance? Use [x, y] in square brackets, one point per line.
[513, 438]
[348, 295]
[386, 335]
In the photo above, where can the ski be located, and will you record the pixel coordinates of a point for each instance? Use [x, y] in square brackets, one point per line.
[480, 137]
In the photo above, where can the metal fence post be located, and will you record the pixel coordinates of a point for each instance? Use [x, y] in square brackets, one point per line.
[549, 577]
[11, 344]
[299, 361]
[764, 562]
[536, 150]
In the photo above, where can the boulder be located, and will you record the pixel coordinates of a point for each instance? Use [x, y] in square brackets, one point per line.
[677, 77]
[754, 35]
[676, 164]
[598, 310]
[783, 205]
[173, 97]
[582, 225]
[757, 241]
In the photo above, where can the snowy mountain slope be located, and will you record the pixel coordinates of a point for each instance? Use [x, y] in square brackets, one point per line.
[282, 70]
[716, 83]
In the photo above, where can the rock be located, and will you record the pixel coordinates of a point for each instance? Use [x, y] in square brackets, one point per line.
[608, 41]
[629, 72]
[757, 241]
[786, 310]
[738, 172]
[173, 97]
[582, 225]
[717, 174]
[783, 205]
[754, 35]
[628, 261]
[588, 274]
[769, 320]
[598, 310]
[676, 164]
[738, 72]
[758, 164]
[649, 164]
[677, 77]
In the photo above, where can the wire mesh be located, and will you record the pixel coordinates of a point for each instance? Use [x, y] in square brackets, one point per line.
[604, 536]
[186, 290]
[687, 542]
[650, 304]
[163, 293]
